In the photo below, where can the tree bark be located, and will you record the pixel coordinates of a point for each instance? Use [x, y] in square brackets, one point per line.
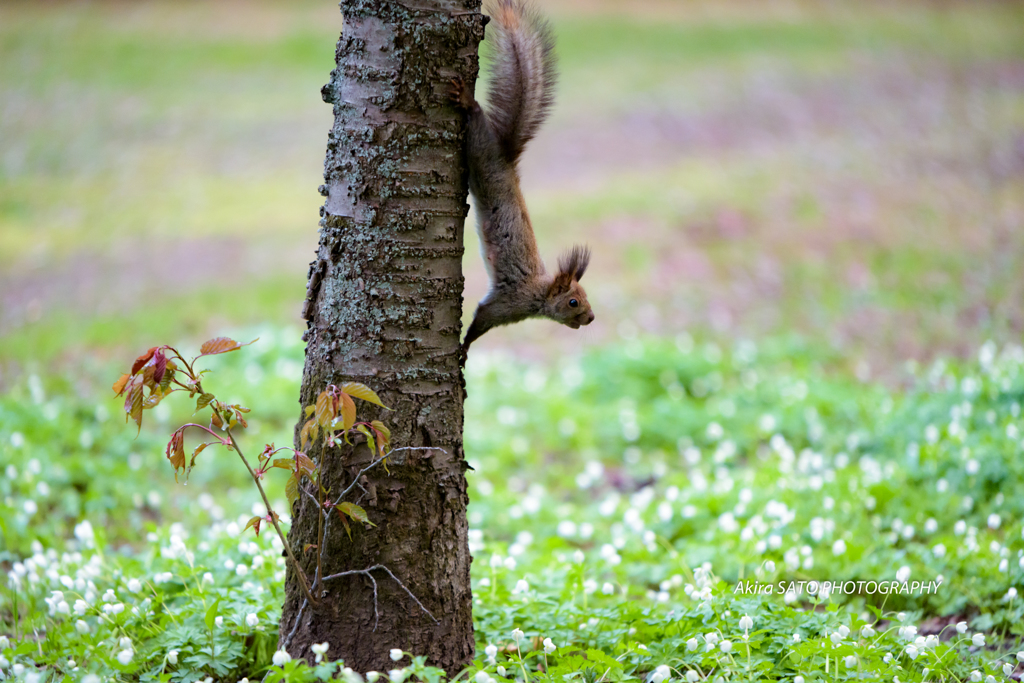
[384, 307]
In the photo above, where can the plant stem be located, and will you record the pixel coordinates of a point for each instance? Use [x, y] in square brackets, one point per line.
[303, 580]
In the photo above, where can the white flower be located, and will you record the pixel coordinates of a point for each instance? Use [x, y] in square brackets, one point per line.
[396, 654]
[711, 638]
[939, 550]
[607, 588]
[125, 656]
[134, 585]
[798, 679]
[218, 622]
[867, 631]
[549, 646]
[912, 651]
[692, 644]
[64, 608]
[994, 521]
[975, 676]
[4, 643]
[81, 627]
[482, 677]
[725, 646]
[398, 675]
[746, 623]
[796, 637]
[887, 658]
[961, 627]
[844, 630]
[903, 574]
[661, 673]
[978, 639]
[839, 547]
[281, 657]
[109, 596]
[521, 587]
[251, 620]
[372, 676]
[1020, 656]
[81, 607]
[692, 676]
[320, 649]
[492, 652]
[769, 565]
[501, 671]
[172, 657]
[850, 661]
[1008, 669]
[517, 635]
[241, 570]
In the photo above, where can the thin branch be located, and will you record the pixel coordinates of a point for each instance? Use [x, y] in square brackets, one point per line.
[295, 627]
[303, 580]
[366, 572]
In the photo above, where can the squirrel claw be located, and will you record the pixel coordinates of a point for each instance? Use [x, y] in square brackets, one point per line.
[459, 94]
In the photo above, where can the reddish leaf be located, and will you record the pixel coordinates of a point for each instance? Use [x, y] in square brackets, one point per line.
[221, 345]
[324, 410]
[304, 433]
[142, 360]
[357, 390]
[344, 523]
[348, 412]
[135, 410]
[215, 419]
[309, 546]
[309, 410]
[199, 449]
[254, 522]
[291, 489]
[159, 366]
[371, 444]
[203, 401]
[176, 452]
[165, 383]
[120, 384]
[355, 512]
[382, 430]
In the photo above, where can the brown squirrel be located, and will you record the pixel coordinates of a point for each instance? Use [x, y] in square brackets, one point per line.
[520, 94]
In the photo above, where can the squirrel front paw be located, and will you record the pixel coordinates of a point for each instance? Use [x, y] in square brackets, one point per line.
[460, 95]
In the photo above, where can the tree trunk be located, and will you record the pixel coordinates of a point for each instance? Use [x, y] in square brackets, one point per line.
[384, 308]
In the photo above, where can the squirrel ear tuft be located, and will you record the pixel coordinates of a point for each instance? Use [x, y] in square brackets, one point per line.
[574, 262]
[561, 284]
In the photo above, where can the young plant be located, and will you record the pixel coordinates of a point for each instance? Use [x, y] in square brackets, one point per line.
[162, 371]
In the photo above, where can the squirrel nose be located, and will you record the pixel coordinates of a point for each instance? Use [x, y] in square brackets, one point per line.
[590, 317]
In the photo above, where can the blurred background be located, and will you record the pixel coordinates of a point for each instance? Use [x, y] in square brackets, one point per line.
[849, 171]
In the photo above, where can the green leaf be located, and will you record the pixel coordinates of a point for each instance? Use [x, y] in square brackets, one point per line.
[355, 512]
[211, 614]
[357, 390]
[203, 401]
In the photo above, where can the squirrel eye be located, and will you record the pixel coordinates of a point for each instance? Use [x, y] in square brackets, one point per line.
[573, 303]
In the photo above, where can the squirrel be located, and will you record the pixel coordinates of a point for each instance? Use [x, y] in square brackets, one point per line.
[521, 93]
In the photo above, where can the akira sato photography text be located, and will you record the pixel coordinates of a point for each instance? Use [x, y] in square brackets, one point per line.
[795, 589]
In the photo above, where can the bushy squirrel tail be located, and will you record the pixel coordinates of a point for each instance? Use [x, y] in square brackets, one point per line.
[522, 77]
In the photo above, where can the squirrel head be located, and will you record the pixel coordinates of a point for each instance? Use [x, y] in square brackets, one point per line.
[566, 302]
